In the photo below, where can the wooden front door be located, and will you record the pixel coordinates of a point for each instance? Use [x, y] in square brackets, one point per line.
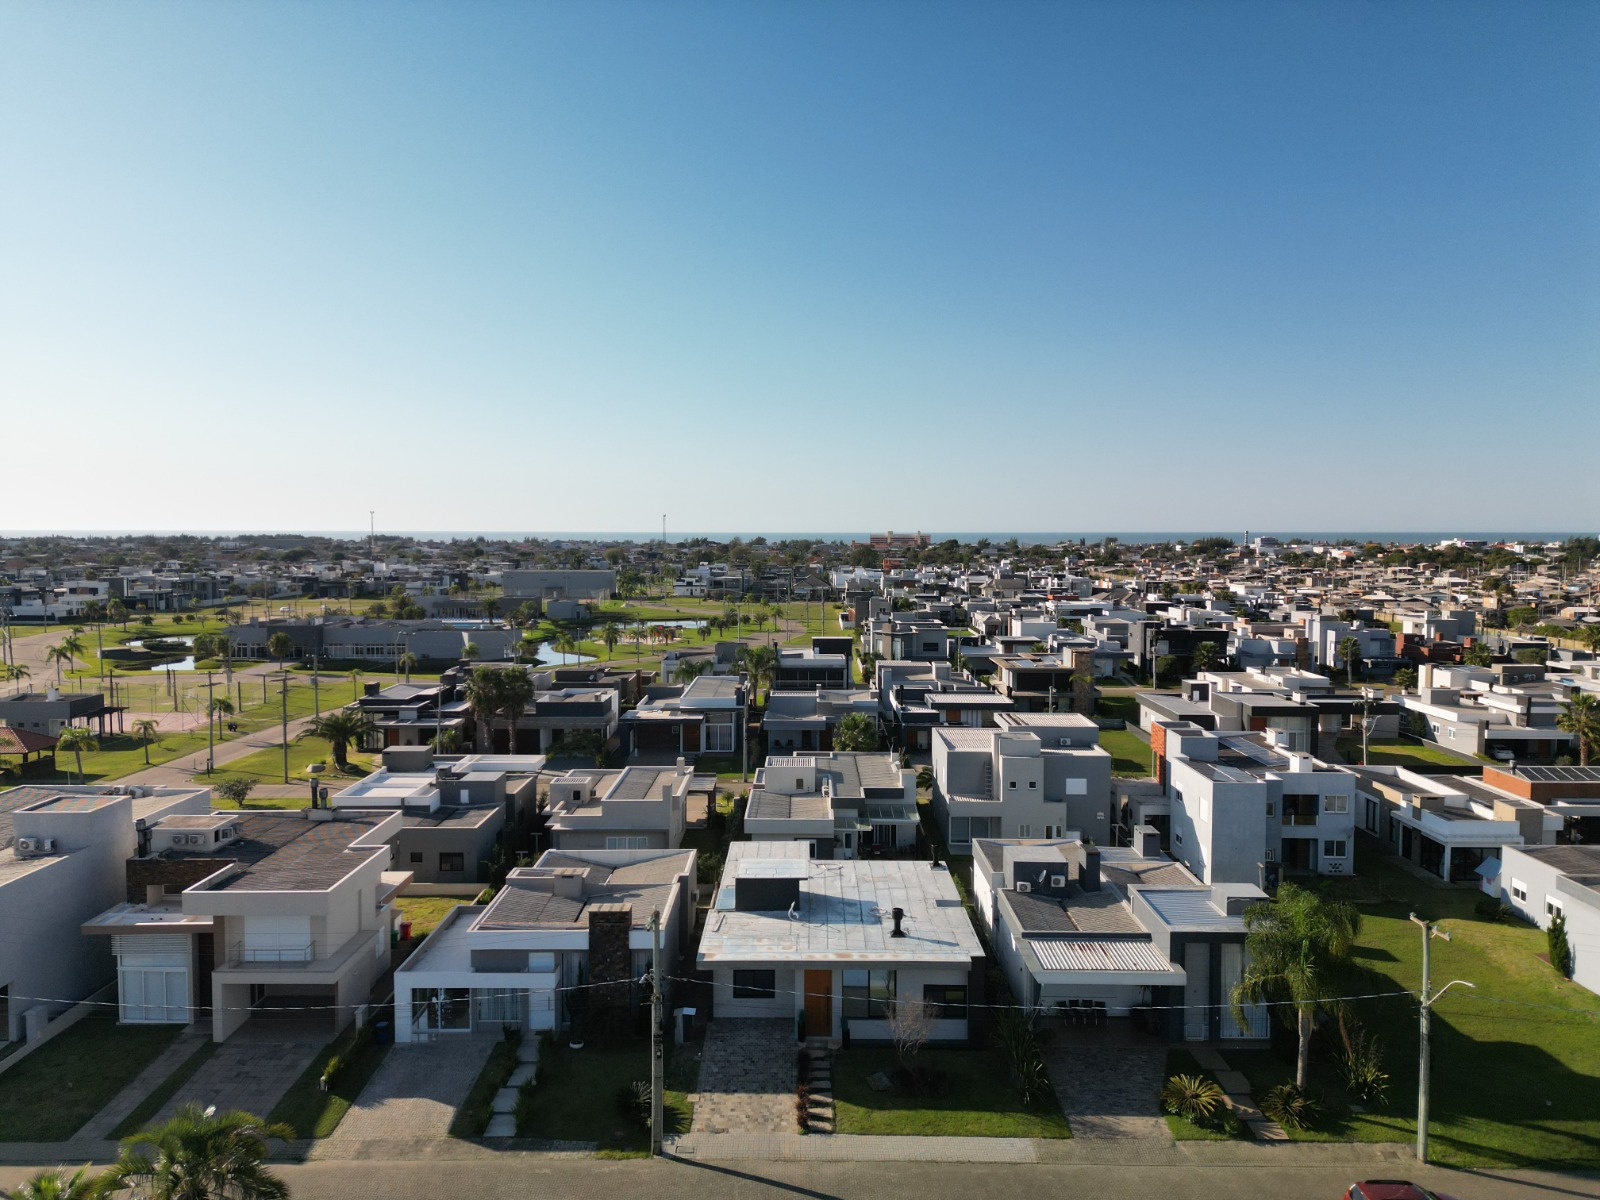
[819, 1004]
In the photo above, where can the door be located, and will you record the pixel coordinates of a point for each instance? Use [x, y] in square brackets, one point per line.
[819, 1004]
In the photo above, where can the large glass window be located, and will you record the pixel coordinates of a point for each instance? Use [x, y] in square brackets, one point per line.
[755, 985]
[441, 1008]
[868, 994]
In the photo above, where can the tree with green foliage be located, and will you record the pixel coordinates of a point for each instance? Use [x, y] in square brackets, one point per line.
[1405, 678]
[857, 731]
[77, 739]
[760, 661]
[1581, 718]
[1477, 655]
[56, 1184]
[1559, 947]
[482, 694]
[1206, 656]
[690, 669]
[1298, 950]
[1531, 655]
[407, 663]
[236, 790]
[1348, 650]
[340, 729]
[146, 731]
[280, 646]
[516, 694]
[1522, 615]
[200, 1155]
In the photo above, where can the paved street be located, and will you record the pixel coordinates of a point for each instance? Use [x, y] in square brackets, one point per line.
[1114, 1175]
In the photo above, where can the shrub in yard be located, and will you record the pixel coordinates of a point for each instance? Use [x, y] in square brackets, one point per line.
[1192, 1097]
[1560, 948]
[331, 1072]
[1362, 1069]
[1290, 1107]
[633, 1103]
[1491, 908]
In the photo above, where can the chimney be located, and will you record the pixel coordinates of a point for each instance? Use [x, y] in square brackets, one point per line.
[1089, 866]
[899, 915]
[54, 693]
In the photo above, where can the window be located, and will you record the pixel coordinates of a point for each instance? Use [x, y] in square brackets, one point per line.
[416, 856]
[868, 994]
[755, 985]
[1024, 831]
[1012, 784]
[1333, 849]
[1336, 804]
[948, 1002]
[1033, 785]
[1178, 837]
[1271, 809]
[1519, 890]
[452, 862]
[1552, 906]
[627, 843]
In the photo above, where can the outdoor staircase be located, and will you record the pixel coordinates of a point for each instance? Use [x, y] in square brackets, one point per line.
[819, 1076]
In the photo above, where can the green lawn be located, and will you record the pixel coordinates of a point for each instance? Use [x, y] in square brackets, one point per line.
[425, 912]
[266, 766]
[1406, 754]
[979, 1102]
[313, 1113]
[146, 1110]
[1130, 754]
[49, 1095]
[472, 1118]
[575, 1098]
[1516, 1063]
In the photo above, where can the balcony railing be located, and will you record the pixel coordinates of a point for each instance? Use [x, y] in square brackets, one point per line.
[1299, 818]
[241, 954]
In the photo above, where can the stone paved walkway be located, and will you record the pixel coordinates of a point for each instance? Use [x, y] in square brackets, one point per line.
[1110, 1092]
[416, 1092]
[747, 1078]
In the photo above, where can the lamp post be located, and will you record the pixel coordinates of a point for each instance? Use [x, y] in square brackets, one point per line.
[1429, 932]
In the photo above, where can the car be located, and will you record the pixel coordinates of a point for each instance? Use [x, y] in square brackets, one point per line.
[1501, 754]
[1391, 1189]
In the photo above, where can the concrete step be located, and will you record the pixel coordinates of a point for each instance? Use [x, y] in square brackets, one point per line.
[528, 1050]
[523, 1074]
[505, 1101]
[1267, 1131]
[501, 1126]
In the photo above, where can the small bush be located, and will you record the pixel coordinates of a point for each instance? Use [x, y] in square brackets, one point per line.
[1290, 1107]
[1559, 947]
[1492, 908]
[633, 1103]
[1033, 1083]
[1192, 1097]
[331, 1072]
[1362, 1069]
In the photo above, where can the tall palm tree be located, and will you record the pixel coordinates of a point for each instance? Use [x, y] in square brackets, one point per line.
[77, 739]
[690, 669]
[117, 613]
[516, 693]
[219, 708]
[610, 634]
[407, 662]
[280, 645]
[1349, 651]
[566, 643]
[759, 663]
[1297, 948]
[57, 655]
[1581, 718]
[200, 1155]
[14, 672]
[72, 646]
[56, 1184]
[482, 694]
[339, 729]
[146, 731]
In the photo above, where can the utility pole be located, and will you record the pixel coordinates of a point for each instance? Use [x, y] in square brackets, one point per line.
[744, 733]
[283, 694]
[1429, 932]
[211, 721]
[316, 696]
[657, 1063]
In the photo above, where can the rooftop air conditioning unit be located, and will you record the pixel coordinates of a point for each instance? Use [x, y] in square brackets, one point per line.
[1024, 886]
[47, 845]
[1058, 881]
[27, 845]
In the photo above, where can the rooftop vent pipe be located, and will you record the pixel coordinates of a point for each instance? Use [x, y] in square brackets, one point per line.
[899, 915]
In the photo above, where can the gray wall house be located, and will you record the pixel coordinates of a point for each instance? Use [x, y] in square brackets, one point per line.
[558, 585]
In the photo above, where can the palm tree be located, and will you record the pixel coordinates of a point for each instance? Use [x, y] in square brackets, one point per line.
[56, 1184]
[491, 607]
[482, 694]
[566, 643]
[610, 634]
[471, 651]
[198, 1155]
[219, 708]
[1581, 718]
[355, 684]
[759, 663]
[58, 655]
[77, 738]
[14, 671]
[146, 731]
[1296, 948]
[117, 613]
[280, 646]
[339, 728]
[690, 669]
[1206, 656]
[1349, 651]
[406, 662]
[516, 693]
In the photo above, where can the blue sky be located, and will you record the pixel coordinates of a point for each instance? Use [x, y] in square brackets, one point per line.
[800, 266]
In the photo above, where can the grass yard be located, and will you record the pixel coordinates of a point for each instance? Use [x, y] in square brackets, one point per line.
[980, 1101]
[1406, 754]
[313, 1113]
[1516, 1063]
[1130, 754]
[266, 766]
[425, 912]
[140, 1118]
[1181, 1062]
[49, 1095]
[575, 1098]
[472, 1118]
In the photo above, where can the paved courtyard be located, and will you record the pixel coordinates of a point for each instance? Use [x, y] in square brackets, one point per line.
[416, 1092]
[1110, 1091]
[747, 1078]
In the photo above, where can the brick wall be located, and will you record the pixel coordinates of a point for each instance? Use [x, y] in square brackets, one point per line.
[173, 874]
[610, 964]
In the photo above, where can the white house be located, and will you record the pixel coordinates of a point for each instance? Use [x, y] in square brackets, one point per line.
[1540, 881]
[834, 945]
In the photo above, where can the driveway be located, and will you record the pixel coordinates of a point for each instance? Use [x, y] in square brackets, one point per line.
[415, 1093]
[747, 1078]
[1110, 1091]
[250, 1072]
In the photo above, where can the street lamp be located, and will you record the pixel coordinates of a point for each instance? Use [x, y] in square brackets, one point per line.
[1429, 932]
